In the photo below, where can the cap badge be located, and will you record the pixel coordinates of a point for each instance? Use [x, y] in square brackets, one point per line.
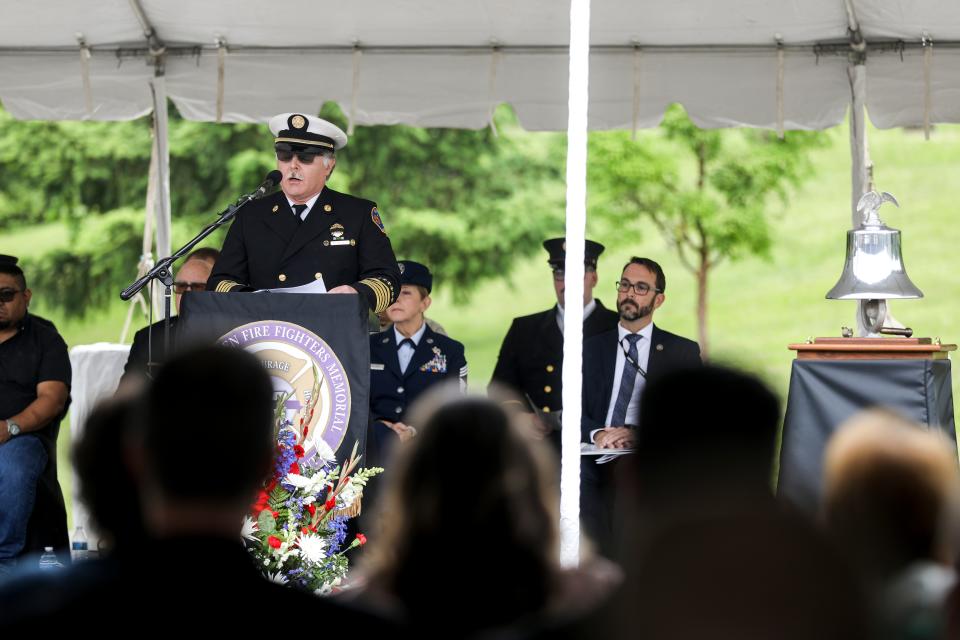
[402, 267]
[298, 122]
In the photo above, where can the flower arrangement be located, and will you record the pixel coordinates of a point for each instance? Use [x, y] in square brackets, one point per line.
[297, 528]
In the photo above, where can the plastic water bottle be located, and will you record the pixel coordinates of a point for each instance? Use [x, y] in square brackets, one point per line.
[48, 561]
[79, 550]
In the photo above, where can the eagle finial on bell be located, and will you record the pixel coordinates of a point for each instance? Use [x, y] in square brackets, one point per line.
[874, 269]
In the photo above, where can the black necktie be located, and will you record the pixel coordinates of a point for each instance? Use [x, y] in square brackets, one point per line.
[298, 210]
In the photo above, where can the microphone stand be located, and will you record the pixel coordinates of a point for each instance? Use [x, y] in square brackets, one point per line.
[163, 271]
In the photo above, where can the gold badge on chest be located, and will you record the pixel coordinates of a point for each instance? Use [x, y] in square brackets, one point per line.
[336, 235]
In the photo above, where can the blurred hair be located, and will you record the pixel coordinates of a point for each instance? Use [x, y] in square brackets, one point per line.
[207, 426]
[106, 486]
[890, 491]
[706, 427]
[207, 254]
[469, 519]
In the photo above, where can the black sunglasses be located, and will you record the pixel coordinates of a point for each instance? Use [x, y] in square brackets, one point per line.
[285, 153]
[7, 294]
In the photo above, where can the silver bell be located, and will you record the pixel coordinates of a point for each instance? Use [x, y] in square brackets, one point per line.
[873, 272]
[874, 266]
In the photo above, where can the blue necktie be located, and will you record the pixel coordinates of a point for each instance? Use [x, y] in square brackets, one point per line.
[629, 377]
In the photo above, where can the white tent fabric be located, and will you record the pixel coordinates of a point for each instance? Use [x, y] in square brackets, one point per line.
[433, 63]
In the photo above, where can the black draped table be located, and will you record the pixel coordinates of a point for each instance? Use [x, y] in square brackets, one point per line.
[826, 392]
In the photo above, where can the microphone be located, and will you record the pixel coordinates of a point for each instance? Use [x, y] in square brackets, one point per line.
[273, 179]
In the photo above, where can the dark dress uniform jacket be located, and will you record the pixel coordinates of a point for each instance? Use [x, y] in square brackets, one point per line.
[531, 357]
[436, 359]
[267, 247]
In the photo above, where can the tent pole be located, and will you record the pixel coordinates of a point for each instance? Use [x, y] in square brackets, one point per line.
[161, 210]
[576, 214]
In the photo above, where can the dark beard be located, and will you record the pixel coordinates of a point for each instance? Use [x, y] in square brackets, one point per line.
[5, 324]
[631, 311]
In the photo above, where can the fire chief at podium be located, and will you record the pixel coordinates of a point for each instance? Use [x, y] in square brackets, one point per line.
[307, 231]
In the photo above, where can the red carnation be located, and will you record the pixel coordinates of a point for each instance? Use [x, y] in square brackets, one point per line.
[297, 449]
[362, 539]
[274, 542]
[275, 515]
[295, 468]
[312, 508]
[330, 504]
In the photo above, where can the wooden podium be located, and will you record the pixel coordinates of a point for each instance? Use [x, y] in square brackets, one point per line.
[872, 349]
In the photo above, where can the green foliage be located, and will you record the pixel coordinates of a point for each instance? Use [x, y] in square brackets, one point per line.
[708, 191]
[93, 271]
[266, 523]
[278, 497]
[467, 203]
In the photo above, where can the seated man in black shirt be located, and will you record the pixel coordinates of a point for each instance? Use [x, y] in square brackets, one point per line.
[34, 393]
[191, 276]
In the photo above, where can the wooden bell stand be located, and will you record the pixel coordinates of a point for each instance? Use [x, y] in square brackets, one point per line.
[872, 349]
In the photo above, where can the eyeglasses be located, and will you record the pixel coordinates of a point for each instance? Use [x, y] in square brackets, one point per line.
[7, 294]
[180, 286]
[642, 288]
[285, 153]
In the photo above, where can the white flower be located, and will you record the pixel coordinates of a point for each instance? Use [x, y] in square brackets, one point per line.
[310, 486]
[324, 450]
[349, 493]
[249, 528]
[312, 548]
[277, 578]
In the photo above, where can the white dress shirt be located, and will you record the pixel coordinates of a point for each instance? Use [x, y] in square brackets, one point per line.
[405, 352]
[312, 201]
[643, 358]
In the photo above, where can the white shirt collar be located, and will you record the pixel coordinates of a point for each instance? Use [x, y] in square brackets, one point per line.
[587, 308]
[312, 201]
[415, 337]
[646, 332]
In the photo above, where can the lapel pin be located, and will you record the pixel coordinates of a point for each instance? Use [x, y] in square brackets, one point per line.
[429, 340]
[327, 208]
[276, 208]
[386, 340]
[659, 347]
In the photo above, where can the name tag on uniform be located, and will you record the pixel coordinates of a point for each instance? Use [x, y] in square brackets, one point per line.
[376, 367]
[337, 243]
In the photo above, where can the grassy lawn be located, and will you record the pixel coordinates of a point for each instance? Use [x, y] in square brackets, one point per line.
[757, 306]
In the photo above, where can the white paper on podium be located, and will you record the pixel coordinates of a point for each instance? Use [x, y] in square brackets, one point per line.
[317, 286]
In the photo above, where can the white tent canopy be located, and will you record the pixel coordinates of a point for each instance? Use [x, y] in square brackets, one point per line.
[449, 63]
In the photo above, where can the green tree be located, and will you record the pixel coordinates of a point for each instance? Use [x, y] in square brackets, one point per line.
[708, 192]
[467, 203]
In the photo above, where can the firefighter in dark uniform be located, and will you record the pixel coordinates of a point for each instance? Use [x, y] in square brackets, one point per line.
[307, 231]
[405, 360]
[531, 357]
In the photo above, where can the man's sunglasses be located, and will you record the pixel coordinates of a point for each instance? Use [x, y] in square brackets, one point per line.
[180, 286]
[285, 154]
[7, 294]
